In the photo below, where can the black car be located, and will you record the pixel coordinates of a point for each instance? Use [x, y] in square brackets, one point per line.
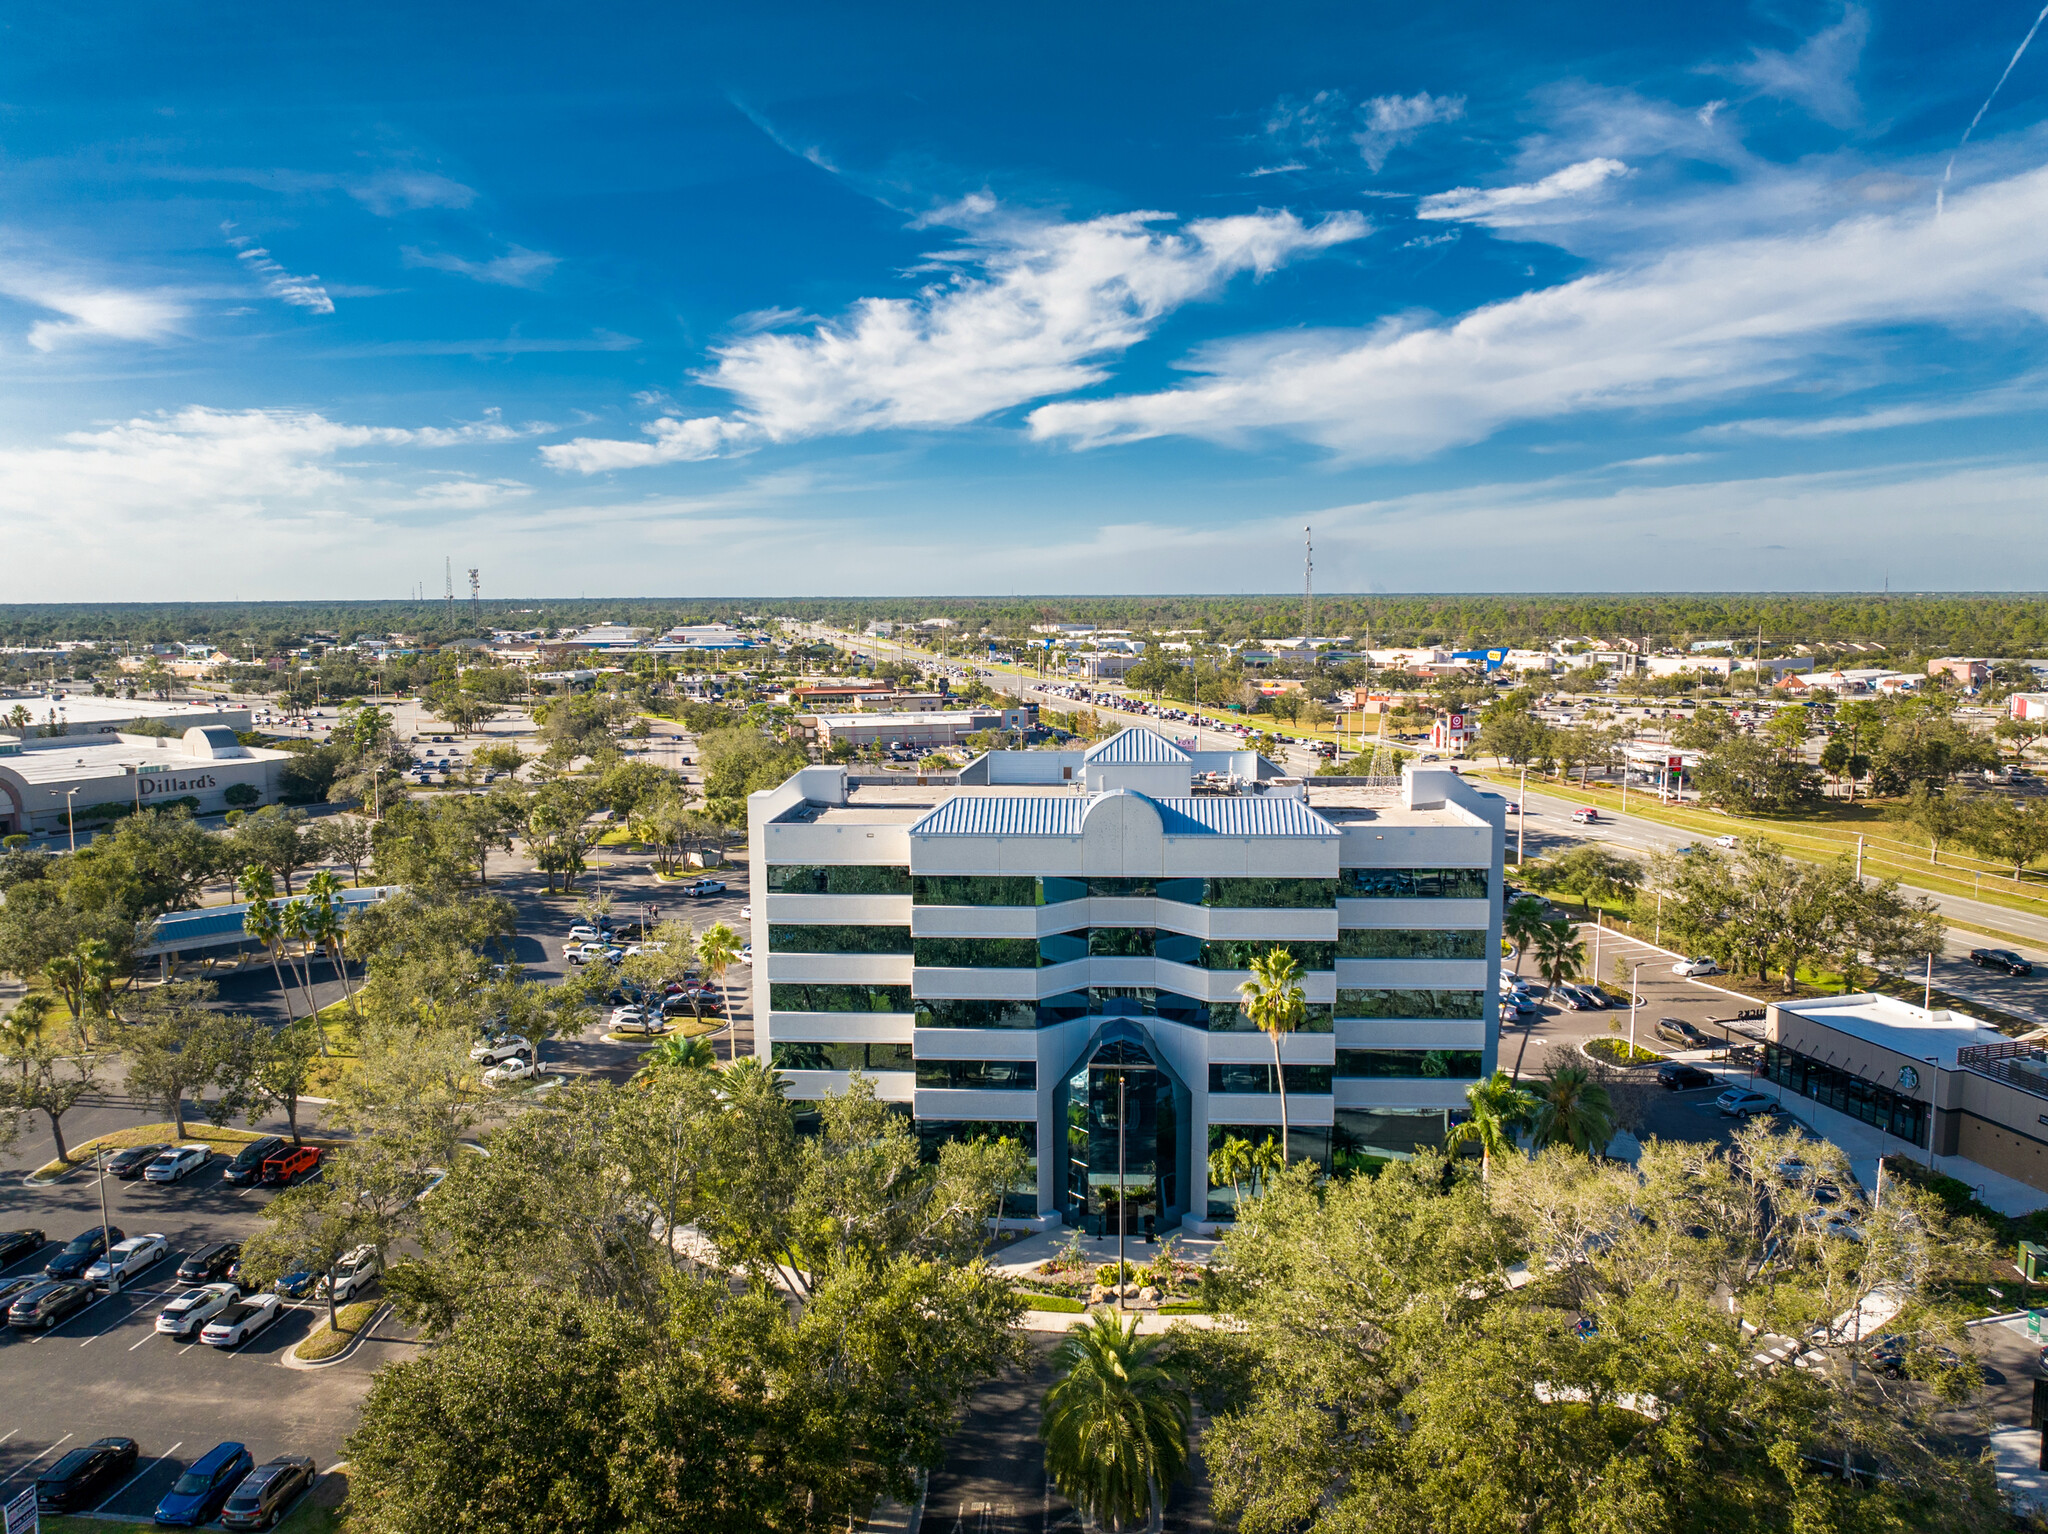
[1676, 1030]
[17, 1244]
[47, 1304]
[265, 1492]
[2002, 959]
[79, 1477]
[1677, 1076]
[247, 1167]
[82, 1251]
[209, 1263]
[12, 1289]
[128, 1164]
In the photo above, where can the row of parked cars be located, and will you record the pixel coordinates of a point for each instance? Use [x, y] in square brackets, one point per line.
[271, 1162]
[225, 1483]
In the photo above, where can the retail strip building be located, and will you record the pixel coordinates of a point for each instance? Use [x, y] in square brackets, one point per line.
[1001, 952]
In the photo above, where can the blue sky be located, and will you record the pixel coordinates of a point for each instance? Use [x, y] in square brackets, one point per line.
[796, 299]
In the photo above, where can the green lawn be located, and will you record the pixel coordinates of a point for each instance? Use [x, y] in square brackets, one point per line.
[225, 1141]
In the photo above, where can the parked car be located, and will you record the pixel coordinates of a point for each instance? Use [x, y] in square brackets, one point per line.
[583, 932]
[1679, 1076]
[190, 1311]
[247, 1167]
[291, 1165]
[1888, 1355]
[12, 1289]
[177, 1163]
[353, 1274]
[1590, 997]
[1727, 843]
[46, 1304]
[629, 1017]
[81, 1251]
[297, 1282]
[79, 1477]
[209, 1262]
[261, 1497]
[1744, 1102]
[502, 1047]
[747, 954]
[128, 1164]
[198, 1495]
[17, 1244]
[241, 1321]
[1585, 815]
[2002, 959]
[1676, 1030]
[1690, 967]
[700, 887]
[127, 1259]
[519, 1068]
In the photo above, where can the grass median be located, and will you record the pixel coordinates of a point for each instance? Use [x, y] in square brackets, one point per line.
[224, 1141]
[326, 1341]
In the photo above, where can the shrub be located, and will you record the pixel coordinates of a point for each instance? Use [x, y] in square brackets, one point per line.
[1106, 1274]
[243, 795]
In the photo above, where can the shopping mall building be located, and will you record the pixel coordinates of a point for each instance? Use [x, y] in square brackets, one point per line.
[1006, 953]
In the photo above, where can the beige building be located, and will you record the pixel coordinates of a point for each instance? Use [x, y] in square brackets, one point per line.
[1916, 1075]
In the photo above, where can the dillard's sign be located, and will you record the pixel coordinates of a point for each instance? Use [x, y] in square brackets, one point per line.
[191, 785]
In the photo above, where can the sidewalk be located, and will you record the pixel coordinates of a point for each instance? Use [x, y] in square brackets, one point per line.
[1017, 1261]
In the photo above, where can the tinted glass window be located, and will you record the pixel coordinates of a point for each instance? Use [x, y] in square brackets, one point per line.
[974, 889]
[1020, 1199]
[1259, 1078]
[1411, 943]
[1412, 883]
[1397, 1002]
[838, 1056]
[790, 938]
[1238, 953]
[1271, 894]
[1452, 1064]
[940, 1013]
[839, 998]
[838, 879]
[1010, 1075]
[976, 952]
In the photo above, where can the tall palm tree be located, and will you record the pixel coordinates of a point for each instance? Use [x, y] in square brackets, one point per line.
[1499, 1107]
[294, 925]
[1560, 954]
[260, 922]
[1274, 1001]
[324, 921]
[718, 950]
[1231, 1162]
[1520, 924]
[1572, 1109]
[1115, 1424]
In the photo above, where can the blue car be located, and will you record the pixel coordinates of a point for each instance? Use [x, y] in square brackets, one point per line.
[297, 1284]
[197, 1496]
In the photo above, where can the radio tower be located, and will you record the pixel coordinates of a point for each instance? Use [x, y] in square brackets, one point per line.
[1308, 588]
[448, 584]
[475, 608]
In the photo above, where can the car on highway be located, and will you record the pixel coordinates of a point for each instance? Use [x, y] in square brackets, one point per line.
[78, 1479]
[501, 1047]
[261, 1497]
[698, 888]
[210, 1262]
[505, 1074]
[127, 1259]
[128, 1164]
[356, 1271]
[189, 1311]
[177, 1163]
[1679, 1076]
[1676, 1030]
[17, 1244]
[46, 1304]
[81, 1251]
[247, 1167]
[1691, 967]
[197, 1496]
[241, 1321]
[2002, 959]
[291, 1165]
[1744, 1103]
[1585, 815]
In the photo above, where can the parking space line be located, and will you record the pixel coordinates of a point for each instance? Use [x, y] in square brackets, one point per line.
[53, 1447]
[155, 1460]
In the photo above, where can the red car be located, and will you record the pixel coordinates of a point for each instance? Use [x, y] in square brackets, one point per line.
[282, 1170]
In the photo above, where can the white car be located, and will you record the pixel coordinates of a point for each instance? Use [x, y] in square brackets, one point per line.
[627, 1017]
[747, 954]
[1690, 967]
[194, 1308]
[242, 1320]
[492, 1051]
[177, 1163]
[127, 1259]
[504, 1075]
[588, 953]
[354, 1273]
[746, 913]
[1727, 843]
[585, 933]
[1744, 1102]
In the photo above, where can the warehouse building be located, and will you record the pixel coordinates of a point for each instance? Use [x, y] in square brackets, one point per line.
[1003, 955]
[918, 731]
[65, 713]
[43, 779]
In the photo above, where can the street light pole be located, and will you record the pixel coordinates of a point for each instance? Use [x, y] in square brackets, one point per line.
[1522, 815]
[106, 1237]
[1634, 995]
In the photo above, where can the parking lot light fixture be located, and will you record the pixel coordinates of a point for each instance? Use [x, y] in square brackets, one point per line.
[1634, 995]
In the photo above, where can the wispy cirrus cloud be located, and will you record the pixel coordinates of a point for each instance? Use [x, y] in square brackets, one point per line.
[518, 267]
[392, 192]
[1025, 309]
[1818, 75]
[300, 292]
[1329, 123]
[91, 311]
[1500, 205]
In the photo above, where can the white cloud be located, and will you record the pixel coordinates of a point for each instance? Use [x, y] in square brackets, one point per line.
[1327, 123]
[1025, 310]
[1502, 205]
[91, 312]
[517, 268]
[2023, 394]
[1699, 324]
[1391, 121]
[300, 292]
[401, 191]
[1818, 74]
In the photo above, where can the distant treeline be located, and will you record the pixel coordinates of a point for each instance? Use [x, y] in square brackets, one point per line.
[1985, 624]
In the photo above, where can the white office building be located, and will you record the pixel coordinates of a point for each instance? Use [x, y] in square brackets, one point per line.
[1002, 954]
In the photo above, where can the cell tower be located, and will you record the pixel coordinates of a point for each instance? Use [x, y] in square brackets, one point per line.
[474, 606]
[448, 584]
[1308, 588]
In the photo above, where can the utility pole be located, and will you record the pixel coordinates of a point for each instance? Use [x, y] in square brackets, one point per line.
[1308, 590]
[474, 607]
[1522, 815]
[448, 584]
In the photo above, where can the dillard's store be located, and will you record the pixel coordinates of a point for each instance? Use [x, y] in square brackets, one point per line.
[208, 770]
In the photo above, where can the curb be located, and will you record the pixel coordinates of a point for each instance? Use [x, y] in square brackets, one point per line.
[291, 1360]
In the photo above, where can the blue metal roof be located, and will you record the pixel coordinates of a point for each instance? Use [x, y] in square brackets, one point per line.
[176, 929]
[1137, 745]
[1061, 815]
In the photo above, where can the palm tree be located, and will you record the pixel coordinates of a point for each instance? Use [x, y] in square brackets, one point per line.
[1573, 1109]
[1499, 1107]
[260, 922]
[1231, 1162]
[718, 950]
[1560, 954]
[1115, 1424]
[676, 1053]
[1274, 1001]
[1520, 925]
[324, 922]
[294, 925]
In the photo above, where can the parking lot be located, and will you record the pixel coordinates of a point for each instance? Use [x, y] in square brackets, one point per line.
[105, 1371]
